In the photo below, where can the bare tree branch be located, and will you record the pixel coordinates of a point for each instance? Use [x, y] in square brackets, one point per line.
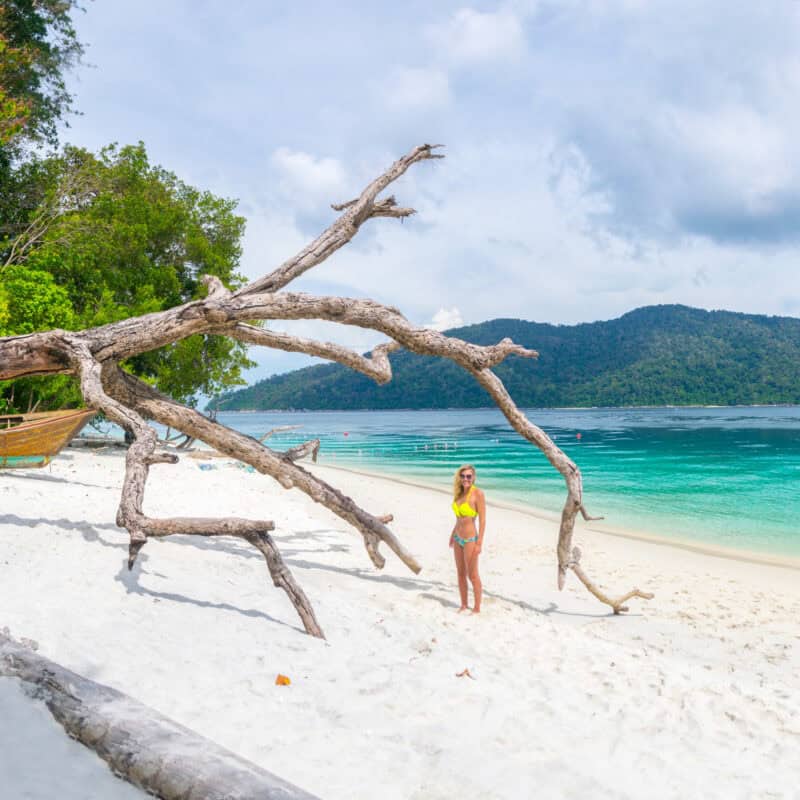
[382, 208]
[283, 579]
[279, 429]
[75, 188]
[310, 447]
[140, 456]
[343, 229]
[376, 367]
[616, 605]
[154, 405]
[94, 356]
[43, 353]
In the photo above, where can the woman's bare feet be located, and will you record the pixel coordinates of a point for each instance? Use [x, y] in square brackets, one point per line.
[463, 608]
[475, 611]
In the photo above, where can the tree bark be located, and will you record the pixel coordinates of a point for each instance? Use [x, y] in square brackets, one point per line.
[142, 746]
[94, 355]
[616, 605]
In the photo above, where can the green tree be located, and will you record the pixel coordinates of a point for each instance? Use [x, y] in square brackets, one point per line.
[38, 43]
[119, 237]
[30, 300]
[13, 112]
[101, 237]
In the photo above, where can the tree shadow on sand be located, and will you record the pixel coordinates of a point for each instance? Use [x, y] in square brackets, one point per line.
[45, 478]
[89, 531]
[430, 587]
[237, 547]
[130, 580]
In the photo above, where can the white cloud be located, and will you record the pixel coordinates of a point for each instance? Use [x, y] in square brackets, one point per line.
[471, 36]
[745, 151]
[271, 236]
[445, 319]
[415, 89]
[616, 161]
[306, 176]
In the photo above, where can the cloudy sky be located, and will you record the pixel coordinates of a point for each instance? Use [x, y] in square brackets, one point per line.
[600, 155]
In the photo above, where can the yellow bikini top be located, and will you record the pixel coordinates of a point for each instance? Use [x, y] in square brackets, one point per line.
[465, 509]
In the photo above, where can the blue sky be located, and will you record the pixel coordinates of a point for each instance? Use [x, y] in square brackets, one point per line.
[600, 155]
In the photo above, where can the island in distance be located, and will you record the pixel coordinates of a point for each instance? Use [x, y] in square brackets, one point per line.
[656, 355]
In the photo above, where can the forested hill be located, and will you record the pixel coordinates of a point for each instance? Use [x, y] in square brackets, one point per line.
[657, 355]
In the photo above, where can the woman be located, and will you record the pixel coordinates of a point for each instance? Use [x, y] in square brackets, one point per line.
[466, 541]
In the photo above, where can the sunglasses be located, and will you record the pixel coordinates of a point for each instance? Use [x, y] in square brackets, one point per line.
[467, 477]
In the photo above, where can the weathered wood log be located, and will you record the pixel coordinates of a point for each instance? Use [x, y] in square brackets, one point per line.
[280, 429]
[94, 354]
[309, 448]
[618, 604]
[178, 442]
[152, 404]
[138, 743]
[140, 456]
[283, 579]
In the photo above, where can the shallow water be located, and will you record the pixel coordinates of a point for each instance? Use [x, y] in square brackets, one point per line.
[719, 476]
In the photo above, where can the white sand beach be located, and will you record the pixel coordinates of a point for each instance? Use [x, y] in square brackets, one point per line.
[691, 694]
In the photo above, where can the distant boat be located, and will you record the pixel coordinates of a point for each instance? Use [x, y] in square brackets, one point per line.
[31, 440]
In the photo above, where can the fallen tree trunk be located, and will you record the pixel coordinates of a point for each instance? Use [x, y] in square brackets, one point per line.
[138, 743]
[94, 355]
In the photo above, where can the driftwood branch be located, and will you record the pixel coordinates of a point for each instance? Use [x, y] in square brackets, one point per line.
[140, 456]
[94, 354]
[618, 604]
[283, 579]
[383, 208]
[138, 743]
[178, 442]
[376, 366]
[154, 405]
[343, 229]
[279, 429]
[309, 448]
[48, 352]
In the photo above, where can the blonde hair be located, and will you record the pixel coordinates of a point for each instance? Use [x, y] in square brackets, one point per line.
[457, 488]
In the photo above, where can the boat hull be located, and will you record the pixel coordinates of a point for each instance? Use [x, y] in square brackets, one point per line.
[31, 440]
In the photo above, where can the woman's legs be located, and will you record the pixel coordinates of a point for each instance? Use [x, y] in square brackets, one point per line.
[470, 554]
[461, 569]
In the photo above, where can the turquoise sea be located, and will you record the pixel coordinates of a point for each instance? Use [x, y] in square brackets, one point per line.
[713, 476]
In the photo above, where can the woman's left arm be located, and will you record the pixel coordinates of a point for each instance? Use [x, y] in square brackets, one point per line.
[481, 503]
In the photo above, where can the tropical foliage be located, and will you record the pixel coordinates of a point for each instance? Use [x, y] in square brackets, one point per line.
[86, 238]
[112, 236]
[37, 43]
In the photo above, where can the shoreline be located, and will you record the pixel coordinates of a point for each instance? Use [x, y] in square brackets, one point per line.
[488, 408]
[565, 698]
[733, 554]
[739, 507]
[765, 558]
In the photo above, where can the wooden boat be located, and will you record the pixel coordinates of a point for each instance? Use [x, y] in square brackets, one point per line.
[31, 440]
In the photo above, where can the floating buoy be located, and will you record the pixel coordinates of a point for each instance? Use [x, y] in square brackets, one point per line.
[346, 433]
[579, 436]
